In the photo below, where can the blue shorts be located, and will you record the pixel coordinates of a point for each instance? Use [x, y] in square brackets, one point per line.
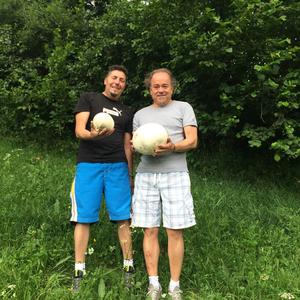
[91, 181]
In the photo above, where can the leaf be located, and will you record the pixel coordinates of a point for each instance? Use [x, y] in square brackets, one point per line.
[101, 289]
[255, 143]
[62, 261]
[282, 18]
[229, 50]
[273, 84]
[257, 68]
[283, 103]
[277, 157]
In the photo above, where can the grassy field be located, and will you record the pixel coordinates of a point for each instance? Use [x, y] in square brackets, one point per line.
[245, 244]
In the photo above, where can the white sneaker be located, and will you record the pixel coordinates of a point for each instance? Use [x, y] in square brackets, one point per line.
[176, 294]
[154, 293]
[128, 276]
[78, 276]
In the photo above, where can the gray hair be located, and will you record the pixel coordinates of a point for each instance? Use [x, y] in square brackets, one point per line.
[149, 76]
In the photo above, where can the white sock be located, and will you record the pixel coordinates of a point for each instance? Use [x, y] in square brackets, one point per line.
[154, 281]
[128, 262]
[128, 265]
[173, 284]
[80, 266]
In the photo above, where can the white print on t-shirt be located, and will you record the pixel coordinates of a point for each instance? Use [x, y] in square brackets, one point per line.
[114, 111]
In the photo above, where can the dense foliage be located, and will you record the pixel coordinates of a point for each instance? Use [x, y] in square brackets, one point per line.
[237, 62]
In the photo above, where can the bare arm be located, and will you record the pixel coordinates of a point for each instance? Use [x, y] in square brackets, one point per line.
[128, 151]
[129, 157]
[81, 132]
[189, 142]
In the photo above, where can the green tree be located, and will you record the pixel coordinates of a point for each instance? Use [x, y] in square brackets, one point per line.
[236, 62]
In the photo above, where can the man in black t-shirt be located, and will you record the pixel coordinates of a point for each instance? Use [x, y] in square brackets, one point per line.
[104, 166]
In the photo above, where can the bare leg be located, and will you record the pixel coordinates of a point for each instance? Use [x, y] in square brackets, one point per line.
[124, 233]
[151, 250]
[175, 252]
[81, 239]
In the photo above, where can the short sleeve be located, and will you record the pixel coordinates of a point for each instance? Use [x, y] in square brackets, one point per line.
[189, 118]
[135, 123]
[83, 104]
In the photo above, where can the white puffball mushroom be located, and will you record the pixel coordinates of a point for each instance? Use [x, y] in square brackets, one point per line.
[103, 120]
[148, 136]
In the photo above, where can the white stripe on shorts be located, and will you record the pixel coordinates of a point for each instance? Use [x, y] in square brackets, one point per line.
[73, 203]
[166, 194]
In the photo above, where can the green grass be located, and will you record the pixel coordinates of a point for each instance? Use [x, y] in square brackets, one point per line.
[245, 244]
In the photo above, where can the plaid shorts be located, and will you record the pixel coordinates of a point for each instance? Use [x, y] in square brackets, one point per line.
[166, 194]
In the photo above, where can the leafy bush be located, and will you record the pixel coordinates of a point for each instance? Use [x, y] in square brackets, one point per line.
[236, 62]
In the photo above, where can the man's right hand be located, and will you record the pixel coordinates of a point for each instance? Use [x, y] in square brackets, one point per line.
[97, 133]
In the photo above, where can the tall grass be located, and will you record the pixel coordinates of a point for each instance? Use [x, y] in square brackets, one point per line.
[245, 244]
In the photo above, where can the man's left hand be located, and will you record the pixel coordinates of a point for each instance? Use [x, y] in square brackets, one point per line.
[165, 148]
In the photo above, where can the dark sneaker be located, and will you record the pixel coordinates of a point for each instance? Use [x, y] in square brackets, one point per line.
[154, 293]
[176, 294]
[78, 275]
[128, 276]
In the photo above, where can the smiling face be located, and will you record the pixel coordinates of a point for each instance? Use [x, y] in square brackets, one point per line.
[161, 89]
[115, 83]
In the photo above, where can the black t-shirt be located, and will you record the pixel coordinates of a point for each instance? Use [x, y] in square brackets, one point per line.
[106, 149]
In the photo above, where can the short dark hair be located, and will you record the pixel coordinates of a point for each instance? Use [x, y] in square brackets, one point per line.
[118, 68]
[149, 76]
